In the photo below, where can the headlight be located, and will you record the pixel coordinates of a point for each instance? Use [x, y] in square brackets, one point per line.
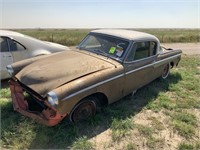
[52, 98]
[10, 70]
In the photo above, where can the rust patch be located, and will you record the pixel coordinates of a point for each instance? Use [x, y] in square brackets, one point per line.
[49, 116]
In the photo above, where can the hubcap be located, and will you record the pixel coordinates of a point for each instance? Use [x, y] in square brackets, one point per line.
[84, 111]
[165, 72]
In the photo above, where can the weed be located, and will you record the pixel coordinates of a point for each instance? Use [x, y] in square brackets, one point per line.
[94, 121]
[185, 117]
[82, 143]
[131, 146]
[186, 146]
[184, 123]
[144, 130]
[120, 128]
[155, 143]
[162, 102]
[5, 93]
[148, 132]
[183, 128]
[157, 124]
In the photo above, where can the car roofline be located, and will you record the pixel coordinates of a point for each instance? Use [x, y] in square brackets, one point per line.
[126, 34]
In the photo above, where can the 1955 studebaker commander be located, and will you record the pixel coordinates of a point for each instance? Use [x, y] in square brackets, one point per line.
[106, 66]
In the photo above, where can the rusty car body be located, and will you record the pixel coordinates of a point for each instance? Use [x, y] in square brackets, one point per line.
[107, 65]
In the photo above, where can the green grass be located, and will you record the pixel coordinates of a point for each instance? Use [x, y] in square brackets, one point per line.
[155, 142]
[177, 97]
[145, 131]
[131, 146]
[157, 125]
[151, 141]
[185, 123]
[4, 93]
[120, 128]
[71, 37]
[82, 144]
[189, 146]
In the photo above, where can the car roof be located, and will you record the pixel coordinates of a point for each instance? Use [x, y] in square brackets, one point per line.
[10, 33]
[127, 34]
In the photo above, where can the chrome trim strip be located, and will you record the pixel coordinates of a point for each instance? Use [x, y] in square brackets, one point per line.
[134, 61]
[118, 76]
[92, 86]
[161, 62]
[155, 64]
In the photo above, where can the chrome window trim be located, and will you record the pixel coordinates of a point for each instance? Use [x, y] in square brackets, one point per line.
[135, 61]
[119, 59]
[157, 47]
[154, 64]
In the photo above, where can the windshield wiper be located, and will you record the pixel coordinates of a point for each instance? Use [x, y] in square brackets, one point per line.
[102, 52]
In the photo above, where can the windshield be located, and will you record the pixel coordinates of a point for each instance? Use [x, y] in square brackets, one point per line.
[104, 45]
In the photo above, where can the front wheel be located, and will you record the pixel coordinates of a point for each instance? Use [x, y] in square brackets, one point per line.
[166, 71]
[84, 110]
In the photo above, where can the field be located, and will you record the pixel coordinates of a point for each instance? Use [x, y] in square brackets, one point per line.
[72, 37]
[165, 114]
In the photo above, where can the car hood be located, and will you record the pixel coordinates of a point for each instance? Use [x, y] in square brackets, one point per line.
[51, 72]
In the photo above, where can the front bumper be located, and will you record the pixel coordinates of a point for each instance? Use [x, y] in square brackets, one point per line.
[48, 116]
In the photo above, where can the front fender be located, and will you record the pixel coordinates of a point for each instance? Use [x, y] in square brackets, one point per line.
[104, 81]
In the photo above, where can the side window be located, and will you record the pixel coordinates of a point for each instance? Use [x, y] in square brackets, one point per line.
[153, 48]
[141, 50]
[4, 44]
[15, 46]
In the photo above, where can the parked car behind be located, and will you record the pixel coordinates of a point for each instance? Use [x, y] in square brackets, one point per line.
[106, 66]
[16, 46]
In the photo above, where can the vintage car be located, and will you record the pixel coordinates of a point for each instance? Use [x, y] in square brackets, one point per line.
[107, 65]
[16, 46]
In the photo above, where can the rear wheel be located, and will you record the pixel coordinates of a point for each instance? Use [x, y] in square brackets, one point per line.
[84, 110]
[166, 71]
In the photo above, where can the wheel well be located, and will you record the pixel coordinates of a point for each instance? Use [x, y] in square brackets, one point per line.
[102, 98]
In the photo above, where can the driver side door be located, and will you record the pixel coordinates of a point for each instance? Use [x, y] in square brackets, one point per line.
[139, 65]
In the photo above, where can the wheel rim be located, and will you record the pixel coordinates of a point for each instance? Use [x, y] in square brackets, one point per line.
[166, 71]
[84, 111]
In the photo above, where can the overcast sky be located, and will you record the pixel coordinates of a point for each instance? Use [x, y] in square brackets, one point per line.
[99, 14]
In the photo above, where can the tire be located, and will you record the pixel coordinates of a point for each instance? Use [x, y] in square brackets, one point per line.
[84, 110]
[166, 71]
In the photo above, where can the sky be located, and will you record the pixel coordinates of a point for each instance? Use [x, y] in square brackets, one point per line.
[99, 14]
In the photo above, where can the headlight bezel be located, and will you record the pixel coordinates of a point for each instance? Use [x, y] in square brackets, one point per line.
[10, 70]
[52, 98]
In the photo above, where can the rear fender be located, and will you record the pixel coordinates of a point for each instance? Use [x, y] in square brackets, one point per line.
[39, 52]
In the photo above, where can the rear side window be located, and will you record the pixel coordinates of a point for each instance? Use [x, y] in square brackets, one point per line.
[141, 50]
[4, 44]
[15, 46]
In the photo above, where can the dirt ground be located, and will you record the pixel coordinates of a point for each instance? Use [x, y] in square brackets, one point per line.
[187, 48]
